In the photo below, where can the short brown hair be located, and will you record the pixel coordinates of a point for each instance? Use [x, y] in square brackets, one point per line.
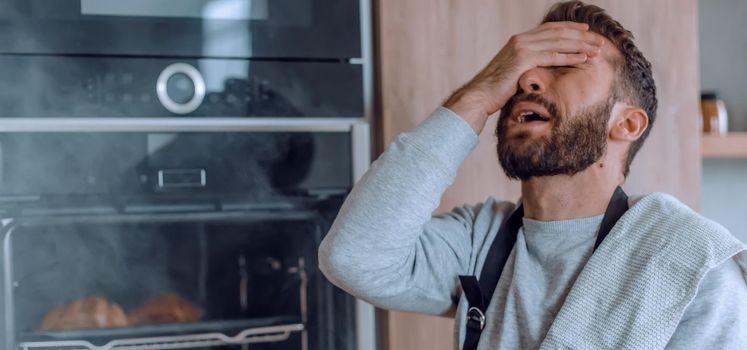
[634, 82]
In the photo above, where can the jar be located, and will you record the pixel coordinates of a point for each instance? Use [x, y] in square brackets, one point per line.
[715, 120]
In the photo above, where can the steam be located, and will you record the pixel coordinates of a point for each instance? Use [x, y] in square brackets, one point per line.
[126, 264]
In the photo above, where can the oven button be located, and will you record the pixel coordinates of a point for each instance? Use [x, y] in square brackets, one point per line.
[180, 88]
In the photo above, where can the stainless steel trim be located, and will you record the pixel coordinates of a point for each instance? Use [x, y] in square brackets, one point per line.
[367, 59]
[365, 313]
[8, 283]
[235, 124]
[248, 336]
[361, 150]
[246, 216]
[162, 88]
[243, 10]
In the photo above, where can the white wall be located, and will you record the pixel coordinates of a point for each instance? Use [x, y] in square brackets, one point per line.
[725, 194]
[723, 55]
[723, 67]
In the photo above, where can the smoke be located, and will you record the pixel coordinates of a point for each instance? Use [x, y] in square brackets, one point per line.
[124, 263]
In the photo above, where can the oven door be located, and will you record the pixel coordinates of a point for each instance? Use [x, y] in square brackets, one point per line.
[320, 29]
[173, 279]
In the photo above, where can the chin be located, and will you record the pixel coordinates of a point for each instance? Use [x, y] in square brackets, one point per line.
[524, 140]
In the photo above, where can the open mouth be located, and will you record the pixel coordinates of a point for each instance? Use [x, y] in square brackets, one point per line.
[530, 116]
[529, 112]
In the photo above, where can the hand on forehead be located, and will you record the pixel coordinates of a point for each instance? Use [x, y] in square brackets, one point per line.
[579, 31]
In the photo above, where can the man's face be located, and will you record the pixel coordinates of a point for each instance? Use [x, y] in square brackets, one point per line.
[557, 123]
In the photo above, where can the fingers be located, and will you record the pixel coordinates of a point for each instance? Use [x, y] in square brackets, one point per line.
[563, 30]
[559, 44]
[567, 33]
[554, 59]
[565, 46]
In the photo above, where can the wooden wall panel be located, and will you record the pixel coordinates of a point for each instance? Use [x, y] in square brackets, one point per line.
[428, 48]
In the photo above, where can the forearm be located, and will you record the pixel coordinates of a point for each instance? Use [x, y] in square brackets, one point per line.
[373, 247]
[470, 106]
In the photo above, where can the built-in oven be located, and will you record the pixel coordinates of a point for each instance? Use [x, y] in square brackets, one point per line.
[186, 58]
[168, 168]
[178, 236]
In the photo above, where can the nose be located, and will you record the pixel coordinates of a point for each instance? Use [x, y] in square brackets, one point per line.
[533, 81]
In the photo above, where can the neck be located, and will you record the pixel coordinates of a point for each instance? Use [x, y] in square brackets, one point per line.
[563, 197]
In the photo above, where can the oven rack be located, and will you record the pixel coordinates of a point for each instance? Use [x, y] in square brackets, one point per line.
[196, 335]
[271, 334]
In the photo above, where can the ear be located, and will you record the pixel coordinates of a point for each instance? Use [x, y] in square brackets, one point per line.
[629, 124]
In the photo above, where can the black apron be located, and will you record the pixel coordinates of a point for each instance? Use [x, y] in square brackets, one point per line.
[478, 294]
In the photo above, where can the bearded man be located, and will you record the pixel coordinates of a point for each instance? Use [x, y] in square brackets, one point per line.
[576, 263]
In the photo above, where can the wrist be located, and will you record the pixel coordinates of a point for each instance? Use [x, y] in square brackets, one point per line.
[470, 108]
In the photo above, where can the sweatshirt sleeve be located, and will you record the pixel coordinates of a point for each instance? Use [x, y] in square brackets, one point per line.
[717, 316]
[385, 246]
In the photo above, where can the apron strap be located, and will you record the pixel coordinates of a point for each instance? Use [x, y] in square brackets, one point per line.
[478, 294]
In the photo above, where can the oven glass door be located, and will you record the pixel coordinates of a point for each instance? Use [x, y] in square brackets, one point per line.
[179, 280]
[321, 29]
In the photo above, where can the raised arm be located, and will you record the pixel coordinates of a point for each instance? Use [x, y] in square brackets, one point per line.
[385, 246]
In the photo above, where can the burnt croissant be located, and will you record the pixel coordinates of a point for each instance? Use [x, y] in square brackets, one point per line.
[89, 312]
[165, 308]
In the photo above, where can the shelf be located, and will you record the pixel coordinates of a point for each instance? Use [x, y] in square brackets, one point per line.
[731, 145]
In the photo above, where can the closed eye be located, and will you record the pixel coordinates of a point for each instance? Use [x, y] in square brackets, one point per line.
[564, 69]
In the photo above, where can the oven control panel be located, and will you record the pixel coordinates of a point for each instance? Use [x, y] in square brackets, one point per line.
[107, 87]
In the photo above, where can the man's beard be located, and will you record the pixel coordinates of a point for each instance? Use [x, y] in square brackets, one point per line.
[574, 143]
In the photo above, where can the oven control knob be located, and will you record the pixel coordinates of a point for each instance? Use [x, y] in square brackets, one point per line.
[180, 88]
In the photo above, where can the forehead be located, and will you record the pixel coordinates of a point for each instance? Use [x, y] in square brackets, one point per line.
[610, 53]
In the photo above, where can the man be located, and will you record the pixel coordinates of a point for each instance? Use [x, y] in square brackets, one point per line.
[576, 264]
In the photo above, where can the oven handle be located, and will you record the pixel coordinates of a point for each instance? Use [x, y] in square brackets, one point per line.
[237, 124]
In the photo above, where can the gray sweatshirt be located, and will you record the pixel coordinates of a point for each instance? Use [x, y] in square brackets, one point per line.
[386, 248]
